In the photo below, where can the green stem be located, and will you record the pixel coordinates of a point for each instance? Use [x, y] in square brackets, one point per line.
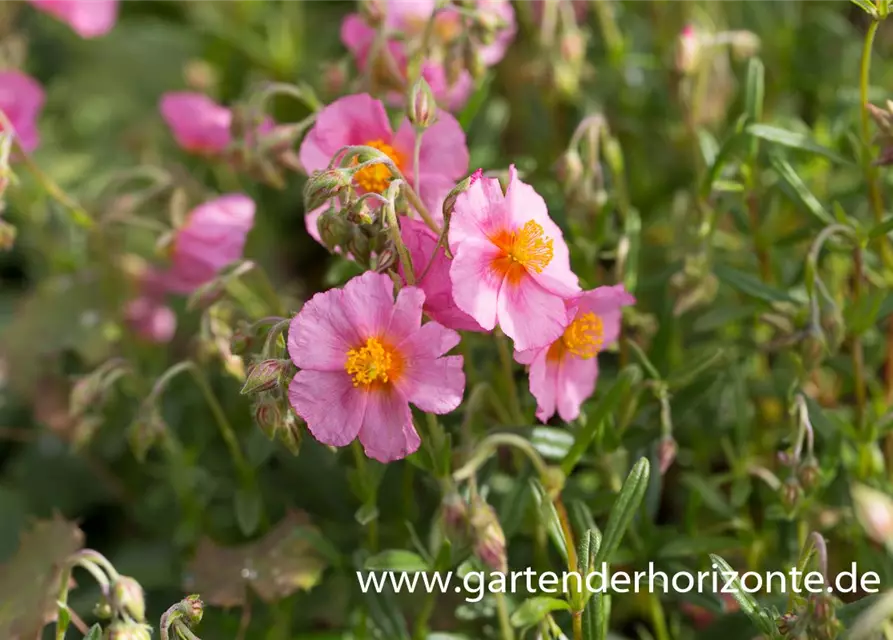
[505, 625]
[372, 528]
[416, 153]
[658, 617]
[421, 625]
[397, 239]
[871, 174]
[62, 601]
[505, 357]
[578, 626]
[246, 473]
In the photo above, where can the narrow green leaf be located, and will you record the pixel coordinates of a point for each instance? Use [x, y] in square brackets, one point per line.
[397, 560]
[366, 514]
[798, 189]
[793, 140]
[882, 229]
[386, 615]
[749, 284]
[866, 6]
[730, 146]
[95, 633]
[606, 405]
[709, 146]
[549, 517]
[551, 442]
[624, 510]
[748, 605]
[248, 506]
[532, 611]
[753, 93]
[632, 231]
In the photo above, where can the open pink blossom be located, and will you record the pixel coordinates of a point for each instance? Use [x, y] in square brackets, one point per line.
[21, 100]
[363, 358]
[199, 124]
[212, 237]
[362, 120]
[420, 241]
[511, 266]
[88, 18]
[563, 374]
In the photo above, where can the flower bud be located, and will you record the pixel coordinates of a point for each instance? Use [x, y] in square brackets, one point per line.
[790, 493]
[809, 473]
[569, 170]
[268, 415]
[422, 106]
[292, 433]
[553, 481]
[474, 63]
[688, 50]
[874, 511]
[334, 78]
[334, 229]
[489, 539]
[323, 186]
[193, 608]
[359, 246]
[455, 515]
[359, 212]
[127, 597]
[666, 453]
[449, 203]
[120, 630]
[745, 44]
[266, 375]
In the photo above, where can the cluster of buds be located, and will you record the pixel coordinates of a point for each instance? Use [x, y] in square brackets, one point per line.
[814, 619]
[883, 118]
[489, 538]
[178, 621]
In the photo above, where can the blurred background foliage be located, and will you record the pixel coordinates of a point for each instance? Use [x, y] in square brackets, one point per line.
[722, 318]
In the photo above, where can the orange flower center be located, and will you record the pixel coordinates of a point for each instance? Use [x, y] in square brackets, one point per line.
[448, 28]
[524, 250]
[584, 338]
[375, 364]
[377, 177]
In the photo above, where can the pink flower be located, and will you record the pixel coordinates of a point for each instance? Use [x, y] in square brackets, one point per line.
[511, 266]
[199, 124]
[361, 120]
[147, 314]
[88, 18]
[363, 359]
[213, 237]
[439, 303]
[563, 373]
[21, 99]
[151, 319]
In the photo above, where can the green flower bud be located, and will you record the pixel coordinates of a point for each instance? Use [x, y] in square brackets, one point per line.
[422, 106]
[127, 597]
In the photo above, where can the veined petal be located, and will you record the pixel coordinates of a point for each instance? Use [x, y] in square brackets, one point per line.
[530, 315]
[476, 285]
[320, 336]
[368, 302]
[433, 385]
[387, 433]
[576, 382]
[329, 403]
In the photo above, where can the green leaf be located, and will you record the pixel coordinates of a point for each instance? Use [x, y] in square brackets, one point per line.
[750, 285]
[881, 229]
[697, 366]
[866, 6]
[386, 615]
[605, 407]
[753, 92]
[552, 443]
[532, 611]
[793, 140]
[748, 605]
[366, 514]
[549, 517]
[730, 146]
[624, 510]
[798, 189]
[249, 506]
[95, 633]
[397, 560]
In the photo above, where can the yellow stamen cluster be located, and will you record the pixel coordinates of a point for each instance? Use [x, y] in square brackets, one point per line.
[527, 247]
[584, 338]
[377, 177]
[373, 363]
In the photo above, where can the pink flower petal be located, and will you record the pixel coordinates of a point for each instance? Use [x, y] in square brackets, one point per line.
[430, 341]
[21, 101]
[406, 317]
[150, 319]
[525, 204]
[88, 18]
[387, 433]
[198, 124]
[476, 285]
[368, 301]
[321, 334]
[576, 382]
[606, 303]
[351, 120]
[530, 315]
[330, 405]
[544, 384]
[357, 37]
[480, 212]
[435, 386]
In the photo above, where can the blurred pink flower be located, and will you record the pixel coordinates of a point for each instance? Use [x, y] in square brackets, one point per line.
[88, 18]
[361, 120]
[21, 99]
[563, 374]
[420, 241]
[363, 359]
[212, 237]
[511, 266]
[147, 314]
[199, 124]
[151, 319]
